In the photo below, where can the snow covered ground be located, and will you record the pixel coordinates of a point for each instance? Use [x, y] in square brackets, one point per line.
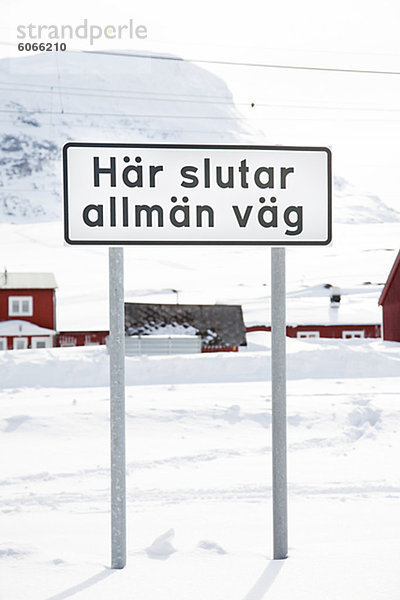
[199, 475]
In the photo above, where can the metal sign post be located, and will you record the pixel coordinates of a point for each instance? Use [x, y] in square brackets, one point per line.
[117, 410]
[119, 194]
[278, 368]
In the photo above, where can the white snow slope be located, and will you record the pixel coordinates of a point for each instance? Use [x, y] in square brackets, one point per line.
[51, 98]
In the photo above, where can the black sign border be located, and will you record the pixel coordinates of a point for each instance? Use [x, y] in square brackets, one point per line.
[191, 147]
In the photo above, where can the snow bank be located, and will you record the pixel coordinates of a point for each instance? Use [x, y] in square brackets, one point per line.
[88, 367]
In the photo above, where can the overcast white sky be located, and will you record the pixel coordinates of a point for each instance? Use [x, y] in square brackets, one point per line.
[357, 115]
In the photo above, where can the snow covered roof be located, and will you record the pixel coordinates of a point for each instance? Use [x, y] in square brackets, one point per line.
[217, 324]
[318, 311]
[16, 327]
[24, 281]
[312, 306]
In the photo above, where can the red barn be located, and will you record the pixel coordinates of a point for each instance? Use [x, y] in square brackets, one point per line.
[390, 302]
[27, 310]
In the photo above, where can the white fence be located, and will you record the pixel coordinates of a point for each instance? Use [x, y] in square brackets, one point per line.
[162, 344]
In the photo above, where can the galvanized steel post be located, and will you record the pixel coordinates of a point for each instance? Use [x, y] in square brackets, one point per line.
[117, 408]
[278, 364]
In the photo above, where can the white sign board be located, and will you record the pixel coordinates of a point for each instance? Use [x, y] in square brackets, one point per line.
[119, 194]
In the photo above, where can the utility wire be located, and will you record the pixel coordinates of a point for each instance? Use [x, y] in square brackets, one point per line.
[244, 64]
[248, 104]
[113, 96]
[152, 93]
[180, 116]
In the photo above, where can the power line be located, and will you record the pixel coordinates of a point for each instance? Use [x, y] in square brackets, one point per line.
[180, 116]
[122, 115]
[244, 64]
[256, 104]
[118, 96]
[152, 93]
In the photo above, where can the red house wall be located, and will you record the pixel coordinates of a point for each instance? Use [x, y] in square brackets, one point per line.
[81, 338]
[43, 307]
[10, 341]
[325, 331]
[390, 302]
[391, 311]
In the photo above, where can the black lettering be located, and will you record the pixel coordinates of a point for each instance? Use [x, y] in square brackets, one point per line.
[104, 170]
[206, 172]
[139, 208]
[185, 222]
[243, 170]
[285, 171]
[272, 211]
[242, 220]
[225, 184]
[153, 172]
[138, 172]
[270, 172]
[98, 221]
[185, 172]
[125, 214]
[112, 211]
[199, 212]
[298, 210]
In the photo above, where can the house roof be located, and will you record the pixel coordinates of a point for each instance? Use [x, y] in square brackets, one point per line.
[390, 279]
[351, 310]
[312, 306]
[24, 281]
[17, 327]
[217, 324]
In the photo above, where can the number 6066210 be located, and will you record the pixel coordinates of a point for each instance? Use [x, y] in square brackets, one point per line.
[42, 47]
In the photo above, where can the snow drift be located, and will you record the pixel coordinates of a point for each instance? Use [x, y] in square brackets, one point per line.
[88, 366]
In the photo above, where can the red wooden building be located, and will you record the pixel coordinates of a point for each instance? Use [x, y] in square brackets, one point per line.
[81, 338]
[390, 302]
[350, 314]
[27, 310]
[317, 330]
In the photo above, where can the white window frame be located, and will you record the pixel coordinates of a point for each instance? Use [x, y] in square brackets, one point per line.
[20, 300]
[354, 334]
[3, 340]
[20, 339]
[307, 335]
[46, 339]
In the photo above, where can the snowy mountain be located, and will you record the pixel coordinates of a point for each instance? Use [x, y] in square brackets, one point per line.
[352, 206]
[51, 98]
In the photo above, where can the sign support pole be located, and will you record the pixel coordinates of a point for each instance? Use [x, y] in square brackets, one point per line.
[117, 407]
[278, 358]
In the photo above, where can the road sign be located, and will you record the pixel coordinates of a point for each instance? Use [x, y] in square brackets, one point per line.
[122, 194]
